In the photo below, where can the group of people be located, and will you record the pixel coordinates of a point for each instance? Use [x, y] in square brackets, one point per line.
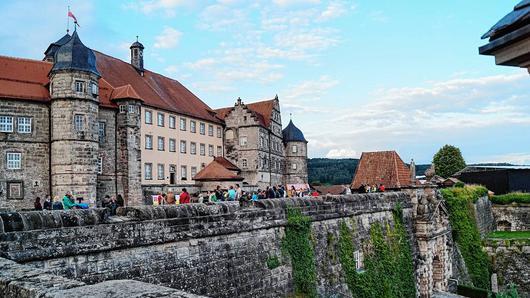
[367, 188]
[69, 202]
[112, 203]
[48, 203]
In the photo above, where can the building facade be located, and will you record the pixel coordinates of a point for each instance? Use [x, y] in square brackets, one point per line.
[86, 122]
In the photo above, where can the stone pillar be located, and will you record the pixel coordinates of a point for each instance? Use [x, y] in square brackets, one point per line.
[129, 170]
[74, 148]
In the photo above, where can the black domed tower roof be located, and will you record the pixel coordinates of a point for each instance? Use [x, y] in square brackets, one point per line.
[52, 48]
[74, 55]
[137, 44]
[292, 134]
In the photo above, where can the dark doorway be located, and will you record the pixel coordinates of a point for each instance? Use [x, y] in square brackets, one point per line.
[171, 178]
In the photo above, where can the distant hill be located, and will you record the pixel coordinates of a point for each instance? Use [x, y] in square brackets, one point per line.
[327, 171]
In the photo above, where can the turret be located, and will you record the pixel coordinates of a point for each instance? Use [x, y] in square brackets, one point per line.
[74, 107]
[137, 56]
[295, 155]
[49, 54]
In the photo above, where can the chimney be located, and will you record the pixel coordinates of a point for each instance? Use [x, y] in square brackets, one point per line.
[137, 56]
[412, 170]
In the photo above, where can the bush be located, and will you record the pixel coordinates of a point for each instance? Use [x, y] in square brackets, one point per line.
[448, 160]
[515, 197]
[273, 262]
[460, 184]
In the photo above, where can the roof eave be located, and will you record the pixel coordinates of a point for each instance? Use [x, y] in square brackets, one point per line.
[502, 42]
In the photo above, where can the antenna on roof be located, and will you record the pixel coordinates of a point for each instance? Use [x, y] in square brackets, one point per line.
[137, 38]
[290, 116]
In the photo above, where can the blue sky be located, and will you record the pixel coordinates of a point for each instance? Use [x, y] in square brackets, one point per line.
[356, 75]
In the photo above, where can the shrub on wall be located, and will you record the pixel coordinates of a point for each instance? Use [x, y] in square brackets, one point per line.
[388, 268]
[515, 197]
[465, 231]
[297, 243]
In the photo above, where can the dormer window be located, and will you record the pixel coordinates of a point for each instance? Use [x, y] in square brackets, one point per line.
[80, 86]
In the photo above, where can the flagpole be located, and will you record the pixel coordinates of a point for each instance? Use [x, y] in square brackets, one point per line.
[68, 21]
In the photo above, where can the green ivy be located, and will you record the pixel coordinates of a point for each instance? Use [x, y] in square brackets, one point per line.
[297, 243]
[465, 232]
[388, 267]
[273, 262]
[514, 197]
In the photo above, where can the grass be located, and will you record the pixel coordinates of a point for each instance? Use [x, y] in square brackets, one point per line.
[509, 235]
[514, 197]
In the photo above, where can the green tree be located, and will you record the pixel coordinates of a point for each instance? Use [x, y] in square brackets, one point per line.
[448, 160]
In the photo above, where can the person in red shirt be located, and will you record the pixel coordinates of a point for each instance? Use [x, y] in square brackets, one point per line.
[184, 197]
[381, 188]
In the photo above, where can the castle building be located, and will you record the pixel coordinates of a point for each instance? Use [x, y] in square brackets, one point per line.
[86, 122]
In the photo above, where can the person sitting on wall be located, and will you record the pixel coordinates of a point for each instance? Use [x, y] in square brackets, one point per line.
[120, 201]
[381, 188]
[212, 197]
[37, 204]
[47, 203]
[68, 201]
[232, 193]
[56, 204]
[218, 194]
[185, 197]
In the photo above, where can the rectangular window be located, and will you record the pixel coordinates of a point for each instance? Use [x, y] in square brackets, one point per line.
[210, 130]
[182, 123]
[148, 142]
[14, 161]
[203, 149]
[80, 86]
[172, 145]
[219, 132]
[102, 133]
[148, 169]
[161, 143]
[193, 148]
[183, 146]
[160, 172]
[244, 163]
[172, 122]
[294, 166]
[123, 108]
[132, 109]
[6, 124]
[79, 122]
[94, 88]
[202, 128]
[295, 149]
[160, 119]
[24, 125]
[219, 151]
[242, 141]
[193, 172]
[100, 165]
[193, 126]
[184, 172]
[148, 117]
[210, 150]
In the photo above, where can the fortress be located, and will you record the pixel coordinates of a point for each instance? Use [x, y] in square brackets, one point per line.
[85, 122]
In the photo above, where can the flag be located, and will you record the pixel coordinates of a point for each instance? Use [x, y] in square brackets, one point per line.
[70, 14]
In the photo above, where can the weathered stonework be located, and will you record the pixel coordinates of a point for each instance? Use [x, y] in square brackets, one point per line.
[34, 147]
[218, 250]
[296, 163]
[511, 262]
[74, 153]
[484, 216]
[512, 217]
[106, 179]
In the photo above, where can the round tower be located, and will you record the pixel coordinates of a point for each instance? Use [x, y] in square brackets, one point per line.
[137, 55]
[295, 155]
[74, 109]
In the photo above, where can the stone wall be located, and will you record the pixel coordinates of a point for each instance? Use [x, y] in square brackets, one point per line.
[484, 216]
[106, 183]
[512, 217]
[511, 262]
[34, 147]
[219, 250]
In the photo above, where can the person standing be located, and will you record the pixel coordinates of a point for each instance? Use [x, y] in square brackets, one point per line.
[239, 192]
[184, 197]
[218, 194]
[232, 193]
[120, 201]
[37, 204]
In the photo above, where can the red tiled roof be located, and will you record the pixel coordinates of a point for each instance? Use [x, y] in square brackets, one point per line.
[384, 167]
[28, 79]
[227, 164]
[262, 110]
[215, 171]
[126, 91]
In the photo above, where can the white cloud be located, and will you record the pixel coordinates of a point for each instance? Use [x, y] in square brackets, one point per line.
[342, 153]
[310, 90]
[513, 158]
[167, 6]
[294, 2]
[169, 38]
[334, 10]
